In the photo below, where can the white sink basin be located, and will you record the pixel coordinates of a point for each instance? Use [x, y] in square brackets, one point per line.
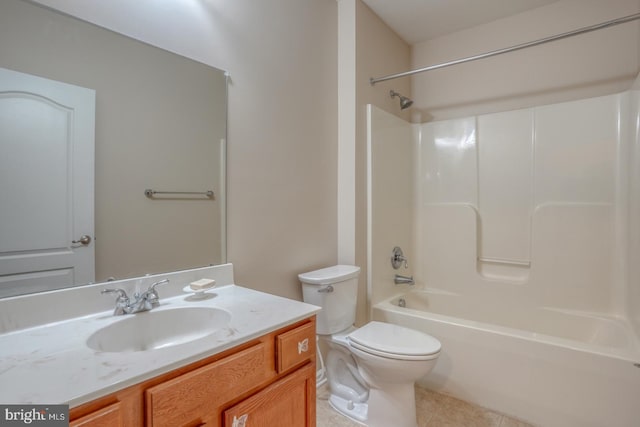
[152, 330]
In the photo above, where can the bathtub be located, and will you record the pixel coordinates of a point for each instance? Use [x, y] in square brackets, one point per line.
[549, 367]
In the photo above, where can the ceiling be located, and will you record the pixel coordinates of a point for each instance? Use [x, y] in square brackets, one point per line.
[419, 20]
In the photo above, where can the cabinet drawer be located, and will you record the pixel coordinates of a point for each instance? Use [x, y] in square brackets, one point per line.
[193, 398]
[295, 346]
[110, 416]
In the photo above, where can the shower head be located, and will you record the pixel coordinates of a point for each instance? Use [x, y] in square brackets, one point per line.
[404, 101]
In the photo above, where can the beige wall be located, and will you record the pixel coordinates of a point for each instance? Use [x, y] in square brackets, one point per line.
[282, 140]
[593, 64]
[159, 121]
[282, 124]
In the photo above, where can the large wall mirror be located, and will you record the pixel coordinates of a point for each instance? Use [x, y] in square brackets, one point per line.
[159, 123]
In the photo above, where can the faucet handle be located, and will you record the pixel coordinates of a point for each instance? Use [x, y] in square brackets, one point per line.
[397, 258]
[152, 295]
[122, 302]
[152, 287]
[122, 295]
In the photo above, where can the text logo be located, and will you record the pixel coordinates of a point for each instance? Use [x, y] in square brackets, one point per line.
[34, 415]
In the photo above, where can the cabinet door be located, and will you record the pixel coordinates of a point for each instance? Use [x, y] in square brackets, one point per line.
[289, 402]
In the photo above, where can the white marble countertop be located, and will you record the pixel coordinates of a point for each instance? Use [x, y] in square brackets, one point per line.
[51, 363]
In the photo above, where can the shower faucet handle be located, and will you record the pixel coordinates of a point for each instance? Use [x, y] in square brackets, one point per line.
[397, 258]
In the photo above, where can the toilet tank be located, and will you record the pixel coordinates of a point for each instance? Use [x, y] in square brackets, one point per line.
[335, 289]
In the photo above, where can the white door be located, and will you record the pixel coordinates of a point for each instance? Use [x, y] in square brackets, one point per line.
[46, 184]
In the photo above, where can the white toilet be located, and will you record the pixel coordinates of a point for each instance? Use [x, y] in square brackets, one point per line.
[371, 370]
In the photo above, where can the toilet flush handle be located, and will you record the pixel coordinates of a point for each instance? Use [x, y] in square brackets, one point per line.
[326, 289]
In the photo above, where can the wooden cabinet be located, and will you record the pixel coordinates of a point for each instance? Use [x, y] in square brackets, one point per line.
[269, 381]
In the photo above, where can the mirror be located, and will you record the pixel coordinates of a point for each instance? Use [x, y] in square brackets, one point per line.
[160, 124]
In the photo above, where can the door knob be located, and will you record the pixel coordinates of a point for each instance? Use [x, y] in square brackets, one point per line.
[84, 239]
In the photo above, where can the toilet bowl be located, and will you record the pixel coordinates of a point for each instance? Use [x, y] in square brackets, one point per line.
[349, 391]
[391, 359]
[371, 370]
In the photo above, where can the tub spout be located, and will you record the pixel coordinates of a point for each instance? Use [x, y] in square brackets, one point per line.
[403, 280]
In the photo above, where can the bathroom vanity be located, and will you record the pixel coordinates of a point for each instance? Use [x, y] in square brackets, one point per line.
[269, 380]
[228, 357]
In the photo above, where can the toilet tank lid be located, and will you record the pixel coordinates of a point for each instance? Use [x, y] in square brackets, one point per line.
[330, 275]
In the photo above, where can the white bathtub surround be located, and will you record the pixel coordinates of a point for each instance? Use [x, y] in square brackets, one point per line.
[546, 380]
[607, 336]
[523, 231]
[45, 357]
[633, 272]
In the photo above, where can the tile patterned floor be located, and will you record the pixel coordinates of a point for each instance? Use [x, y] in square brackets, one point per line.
[433, 410]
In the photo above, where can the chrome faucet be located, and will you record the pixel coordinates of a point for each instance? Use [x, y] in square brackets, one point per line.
[398, 258]
[403, 280]
[143, 302]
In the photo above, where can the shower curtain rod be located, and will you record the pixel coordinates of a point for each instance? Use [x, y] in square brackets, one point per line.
[582, 30]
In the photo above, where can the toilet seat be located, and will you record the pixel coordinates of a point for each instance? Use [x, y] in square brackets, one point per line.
[394, 342]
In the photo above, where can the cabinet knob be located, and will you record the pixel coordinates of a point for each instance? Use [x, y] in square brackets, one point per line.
[303, 346]
[240, 422]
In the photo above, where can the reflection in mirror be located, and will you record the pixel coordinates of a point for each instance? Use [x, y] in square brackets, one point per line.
[160, 124]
